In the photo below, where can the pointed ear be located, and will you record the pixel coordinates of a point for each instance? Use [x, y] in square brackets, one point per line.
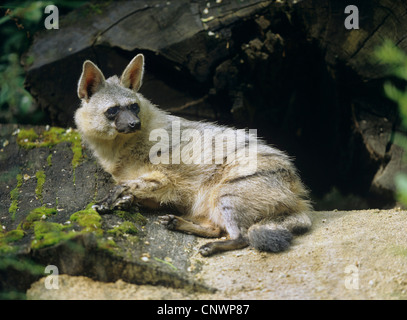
[133, 74]
[91, 80]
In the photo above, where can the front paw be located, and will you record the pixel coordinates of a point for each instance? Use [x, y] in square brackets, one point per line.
[102, 208]
[169, 221]
[108, 204]
[123, 203]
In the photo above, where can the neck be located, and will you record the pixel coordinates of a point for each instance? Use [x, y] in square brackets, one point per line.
[109, 152]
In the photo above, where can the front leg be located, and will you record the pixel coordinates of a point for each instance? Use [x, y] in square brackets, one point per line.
[152, 185]
[109, 203]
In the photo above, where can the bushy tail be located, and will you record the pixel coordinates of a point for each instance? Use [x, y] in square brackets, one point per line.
[269, 237]
[277, 236]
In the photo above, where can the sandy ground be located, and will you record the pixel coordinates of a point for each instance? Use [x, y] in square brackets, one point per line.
[347, 255]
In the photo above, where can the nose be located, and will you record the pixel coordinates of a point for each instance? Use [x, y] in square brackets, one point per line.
[134, 124]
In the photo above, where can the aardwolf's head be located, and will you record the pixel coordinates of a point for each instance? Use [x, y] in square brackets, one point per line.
[110, 107]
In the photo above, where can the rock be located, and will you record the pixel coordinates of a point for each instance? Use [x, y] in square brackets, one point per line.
[348, 255]
[83, 288]
[48, 184]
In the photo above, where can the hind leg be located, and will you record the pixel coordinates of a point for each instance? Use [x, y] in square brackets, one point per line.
[211, 248]
[228, 207]
[198, 228]
[175, 223]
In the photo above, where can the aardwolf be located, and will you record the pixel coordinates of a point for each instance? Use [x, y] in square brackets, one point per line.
[254, 198]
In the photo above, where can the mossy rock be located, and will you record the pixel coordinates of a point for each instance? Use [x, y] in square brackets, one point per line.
[50, 182]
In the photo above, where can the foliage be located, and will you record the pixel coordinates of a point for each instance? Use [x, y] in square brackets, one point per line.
[19, 21]
[396, 61]
[396, 64]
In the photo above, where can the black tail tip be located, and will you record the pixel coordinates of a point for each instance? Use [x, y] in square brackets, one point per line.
[264, 238]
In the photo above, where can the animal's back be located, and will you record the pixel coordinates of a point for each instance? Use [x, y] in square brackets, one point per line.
[256, 184]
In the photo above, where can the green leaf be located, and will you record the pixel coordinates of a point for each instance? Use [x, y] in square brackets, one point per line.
[401, 185]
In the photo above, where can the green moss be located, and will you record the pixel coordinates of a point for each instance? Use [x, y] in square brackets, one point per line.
[76, 146]
[135, 217]
[126, 227]
[14, 235]
[89, 220]
[13, 209]
[36, 215]
[29, 139]
[107, 244]
[53, 136]
[5, 248]
[48, 234]
[40, 183]
[49, 160]
[14, 197]
[9, 237]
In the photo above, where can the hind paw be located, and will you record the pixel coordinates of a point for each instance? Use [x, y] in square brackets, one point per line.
[207, 249]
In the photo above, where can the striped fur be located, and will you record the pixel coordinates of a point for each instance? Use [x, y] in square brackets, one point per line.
[255, 198]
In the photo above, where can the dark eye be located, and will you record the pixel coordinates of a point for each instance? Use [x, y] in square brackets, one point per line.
[112, 112]
[134, 108]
